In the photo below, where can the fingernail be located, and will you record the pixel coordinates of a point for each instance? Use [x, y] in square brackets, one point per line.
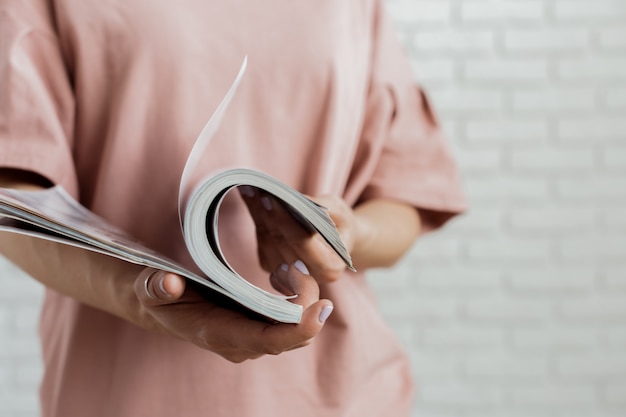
[300, 266]
[325, 313]
[267, 203]
[161, 284]
[282, 281]
[247, 190]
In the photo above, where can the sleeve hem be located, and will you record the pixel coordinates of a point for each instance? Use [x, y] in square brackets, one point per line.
[435, 210]
[42, 165]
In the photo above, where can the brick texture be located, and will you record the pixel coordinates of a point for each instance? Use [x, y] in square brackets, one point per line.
[518, 308]
[532, 279]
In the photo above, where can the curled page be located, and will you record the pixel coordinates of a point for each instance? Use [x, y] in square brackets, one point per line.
[203, 140]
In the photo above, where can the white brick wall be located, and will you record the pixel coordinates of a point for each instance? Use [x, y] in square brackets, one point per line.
[523, 299]
[517, 309]
[20, 362]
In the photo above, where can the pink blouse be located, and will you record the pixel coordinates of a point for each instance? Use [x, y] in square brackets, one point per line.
[107, 97]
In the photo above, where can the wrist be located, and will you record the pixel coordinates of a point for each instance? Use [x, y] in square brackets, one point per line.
[384, 231]
[363, 238]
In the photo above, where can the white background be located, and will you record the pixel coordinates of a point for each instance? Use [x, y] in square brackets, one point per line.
[519, 307]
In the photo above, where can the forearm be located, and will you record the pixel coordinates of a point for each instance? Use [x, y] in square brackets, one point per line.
[385, 230]
[162, 302]
[97, 280]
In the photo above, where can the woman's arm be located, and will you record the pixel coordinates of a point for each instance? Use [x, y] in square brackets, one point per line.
[160, 302]
[377, 233]
[386, 230]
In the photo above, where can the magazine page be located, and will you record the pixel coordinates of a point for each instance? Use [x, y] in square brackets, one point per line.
[54, 215]
[203, 141]
[54, 212]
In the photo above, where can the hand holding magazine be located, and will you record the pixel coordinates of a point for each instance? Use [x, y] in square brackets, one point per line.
[54, 215]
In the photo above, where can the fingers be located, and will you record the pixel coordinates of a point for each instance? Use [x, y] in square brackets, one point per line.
[230, 332]
[316, 311]
[282, 239]
[276, 229]
[277, 338]
[154, 287]
[295, 279]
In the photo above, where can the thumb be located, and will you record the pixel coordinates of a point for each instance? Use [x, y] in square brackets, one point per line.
[154, 287]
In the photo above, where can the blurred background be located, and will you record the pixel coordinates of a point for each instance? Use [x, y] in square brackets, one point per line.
[518, 308]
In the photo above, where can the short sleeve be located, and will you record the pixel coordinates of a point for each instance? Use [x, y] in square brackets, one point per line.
[402, 141]
[36, 99]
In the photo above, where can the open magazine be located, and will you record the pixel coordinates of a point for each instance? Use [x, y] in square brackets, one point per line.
[54, 215]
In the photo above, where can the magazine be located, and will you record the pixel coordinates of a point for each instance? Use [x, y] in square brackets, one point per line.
[54, 215]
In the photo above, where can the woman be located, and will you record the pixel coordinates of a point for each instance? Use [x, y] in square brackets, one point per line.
[106, 98]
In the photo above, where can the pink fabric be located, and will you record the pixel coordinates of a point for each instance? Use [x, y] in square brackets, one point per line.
[106, 98]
